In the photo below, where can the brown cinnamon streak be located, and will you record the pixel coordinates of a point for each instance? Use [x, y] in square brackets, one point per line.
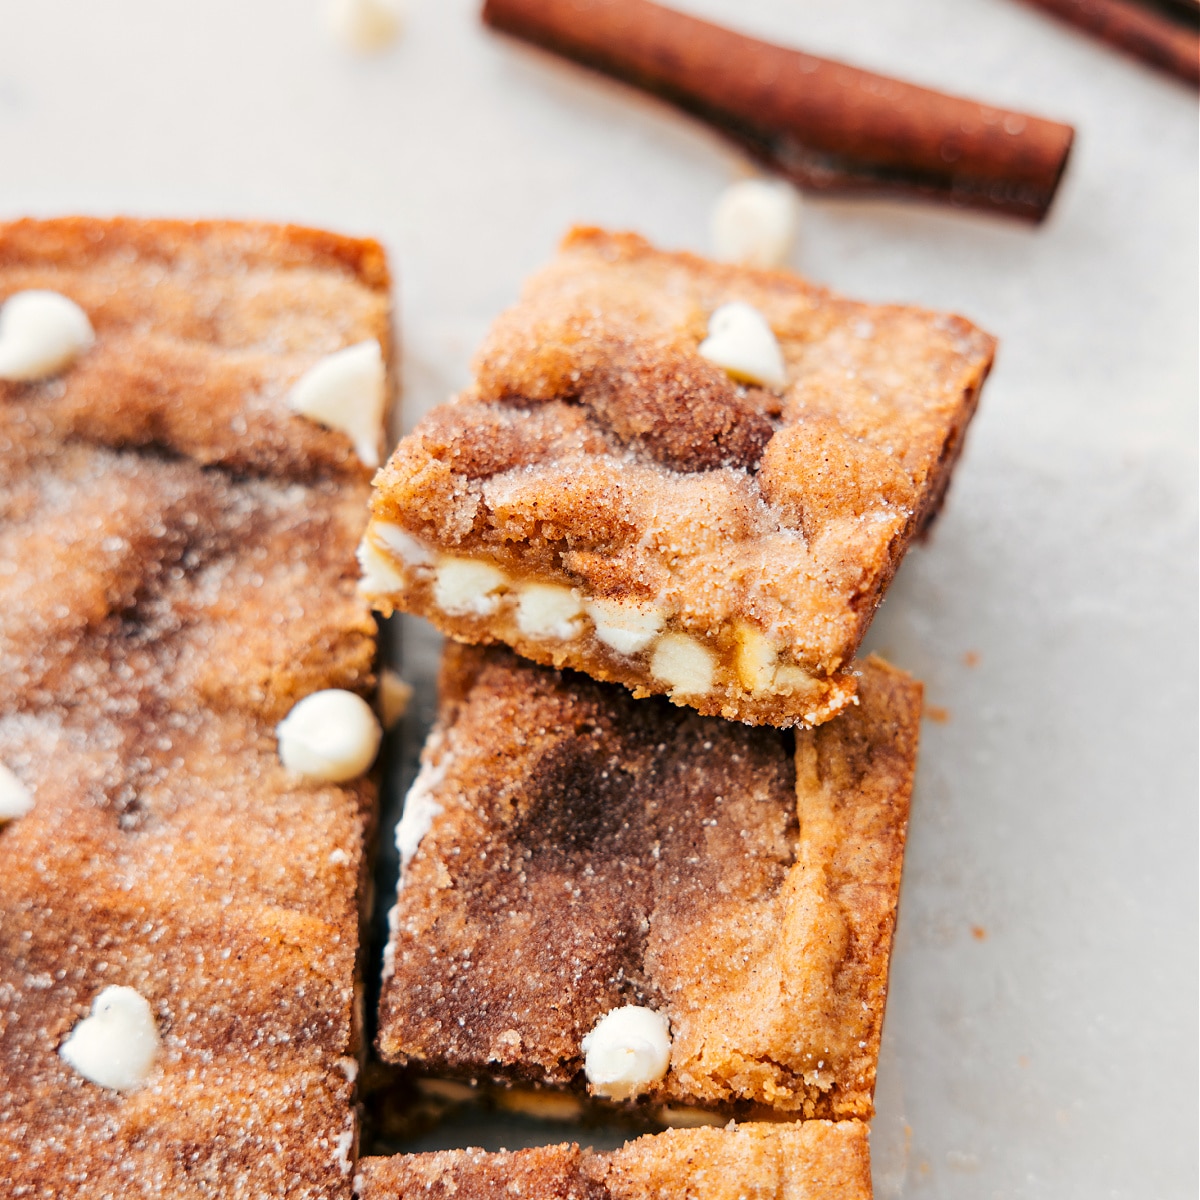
[826, 125]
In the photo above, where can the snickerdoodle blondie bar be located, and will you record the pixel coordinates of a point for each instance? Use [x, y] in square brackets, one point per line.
[693, 479]
[580, 867]
[179, 912]
[807, 1160]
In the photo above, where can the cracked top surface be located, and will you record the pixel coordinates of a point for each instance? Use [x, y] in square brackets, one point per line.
[170, 585]
[588, 850]
[599, 449]
[812, 1160]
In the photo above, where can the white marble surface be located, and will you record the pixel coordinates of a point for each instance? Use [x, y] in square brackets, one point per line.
[1052, 1053]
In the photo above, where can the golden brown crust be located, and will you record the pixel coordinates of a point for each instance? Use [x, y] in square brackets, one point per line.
[540, 1173]
[202, 328]
[809, 1160]
[204, 246]
[160, 615]
[598, 450]
[625, 851]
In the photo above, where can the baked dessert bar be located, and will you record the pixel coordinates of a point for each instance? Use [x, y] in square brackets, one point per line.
[569, 852]
[806, 1160]
[179, 912]
[690, 478]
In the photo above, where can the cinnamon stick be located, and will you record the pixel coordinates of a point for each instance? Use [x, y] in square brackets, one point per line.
[824, 124]
[1137, 30]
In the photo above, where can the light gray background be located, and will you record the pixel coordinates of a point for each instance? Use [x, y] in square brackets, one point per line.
[1041, 1035]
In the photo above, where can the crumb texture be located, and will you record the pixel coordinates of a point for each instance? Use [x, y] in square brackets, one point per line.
[176, 570]
[599, 450]
[811, 1160]
[741, 881]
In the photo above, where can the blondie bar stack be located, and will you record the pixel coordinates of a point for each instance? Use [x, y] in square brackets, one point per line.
[179, 909]
[678, 895]
[652, 858]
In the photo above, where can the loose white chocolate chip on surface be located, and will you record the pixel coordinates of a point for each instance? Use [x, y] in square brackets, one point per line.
[115, 1046]
[741, 342]
[394, 697]
[625, 626]
[468, 587]
[755, 222]
[15, 798]
[364, 25]
[684, 664]
[331, 735]
[627, 1051]
[41, 334]
[549, 610]
[347, 391]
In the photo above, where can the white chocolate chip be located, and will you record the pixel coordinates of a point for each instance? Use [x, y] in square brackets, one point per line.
[741, 342]
[683, 663]
[41, 334]
[684, 1116]
[342, 1146]
[330, 735]
[625, 626]
[420, 807]
[15, 798]
[450, 1091]
[468, 587]
[380, 575]
[115, 1046]
[389, 949]
[755, 659]
[385, 546]
[790, 678]
[401, 543]
[364, 25]
[627, 1051]
[394, 697]
[548, 610]
[755, 222]
[760, 670]
[347, 391]
[541, 1105]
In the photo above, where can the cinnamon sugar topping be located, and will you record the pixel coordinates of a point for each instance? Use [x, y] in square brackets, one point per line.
[729, 504]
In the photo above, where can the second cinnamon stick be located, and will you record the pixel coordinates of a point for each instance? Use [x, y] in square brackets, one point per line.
[1139, 31]
[825, 124]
